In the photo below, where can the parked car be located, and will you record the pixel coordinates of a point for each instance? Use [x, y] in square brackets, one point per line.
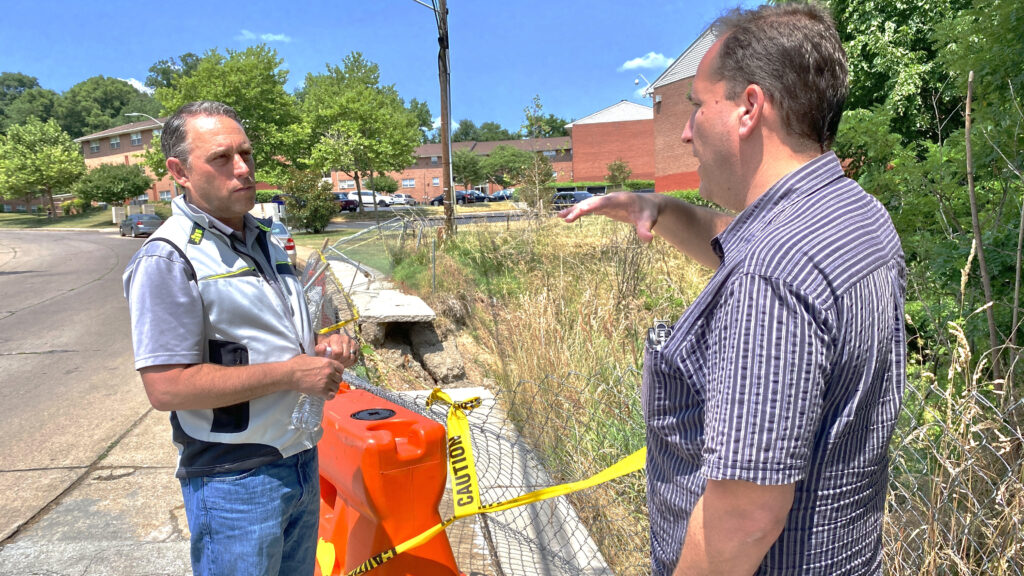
[345, 203]
[404, 199]
[136, 225]
[477, 195]
[368, 198]
[460, 198]
[563, 199]
[501, 195]
[283, 236]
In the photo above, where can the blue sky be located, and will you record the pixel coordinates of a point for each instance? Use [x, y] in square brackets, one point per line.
[579, 56]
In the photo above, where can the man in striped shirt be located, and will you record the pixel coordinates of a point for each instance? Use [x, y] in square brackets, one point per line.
[770, 404]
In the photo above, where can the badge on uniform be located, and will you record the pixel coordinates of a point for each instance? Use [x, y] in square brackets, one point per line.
[658, 334]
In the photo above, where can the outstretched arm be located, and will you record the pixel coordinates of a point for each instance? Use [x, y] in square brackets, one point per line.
[688, 227]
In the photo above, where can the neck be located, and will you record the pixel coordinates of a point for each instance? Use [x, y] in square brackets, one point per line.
[771, 164]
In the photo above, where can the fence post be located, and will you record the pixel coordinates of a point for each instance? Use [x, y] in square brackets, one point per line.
[433, 265]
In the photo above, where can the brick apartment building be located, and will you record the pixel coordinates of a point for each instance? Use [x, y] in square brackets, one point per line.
[123, 145]
[623, 131]
[675, 167]
[422, 179]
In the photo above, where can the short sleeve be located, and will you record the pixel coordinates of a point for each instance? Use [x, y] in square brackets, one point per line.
[768, 365]
[166, 309]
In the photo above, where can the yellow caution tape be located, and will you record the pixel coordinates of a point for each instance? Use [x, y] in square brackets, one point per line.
[466, 495]
[355, 311]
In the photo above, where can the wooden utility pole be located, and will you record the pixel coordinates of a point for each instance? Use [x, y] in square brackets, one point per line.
[446, 116]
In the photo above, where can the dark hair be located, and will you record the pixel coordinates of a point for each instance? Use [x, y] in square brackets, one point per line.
[174, 140]
[793, 52]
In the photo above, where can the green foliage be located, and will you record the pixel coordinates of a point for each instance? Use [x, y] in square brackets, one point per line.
[310, 204]
[467, 168]
[468, 131]
[618, 173]
[265, 196]
[98, 103]
[166, 73]
[33, 103]
[640, 184]
[252, 82]
[539, 125]
[76, 206]
[113, 183]
[154, 158]
[383, 183]
[37, 159]
[356, 125]
[507, 165]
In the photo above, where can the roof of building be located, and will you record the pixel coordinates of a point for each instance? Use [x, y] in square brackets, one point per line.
[685, 66]
[485, 148]
[124, 129]
[624, 111]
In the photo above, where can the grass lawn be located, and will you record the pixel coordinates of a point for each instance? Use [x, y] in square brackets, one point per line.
[97, 219]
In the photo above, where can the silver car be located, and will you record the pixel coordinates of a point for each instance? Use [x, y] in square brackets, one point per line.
[284, 238]
[136, 225]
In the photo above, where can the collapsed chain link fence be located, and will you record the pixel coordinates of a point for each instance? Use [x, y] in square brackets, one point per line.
[955, 504]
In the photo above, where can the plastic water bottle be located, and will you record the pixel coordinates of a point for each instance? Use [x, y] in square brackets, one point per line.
[309, 410]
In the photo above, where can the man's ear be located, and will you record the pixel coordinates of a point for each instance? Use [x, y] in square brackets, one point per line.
[177, 171]
[753, 102]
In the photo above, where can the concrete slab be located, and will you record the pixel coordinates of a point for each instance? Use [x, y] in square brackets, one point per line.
[390, 306]
[26, 491]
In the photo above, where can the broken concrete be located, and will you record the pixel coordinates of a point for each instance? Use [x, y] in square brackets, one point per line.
[441, 359]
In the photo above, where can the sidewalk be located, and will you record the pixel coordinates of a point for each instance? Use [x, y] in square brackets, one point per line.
[123, 517]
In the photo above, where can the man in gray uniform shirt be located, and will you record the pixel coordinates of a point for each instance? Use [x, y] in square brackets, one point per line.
[770, 404]
[223, 340]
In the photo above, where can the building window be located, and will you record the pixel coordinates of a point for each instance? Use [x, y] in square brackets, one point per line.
[157, 132]
[165, 195]
[433, 160]
[549, 153]
[435, 181]
[115, 142]
[136, 138]
[94, 146]
[142, 197]
[408, 182]
[346, 184]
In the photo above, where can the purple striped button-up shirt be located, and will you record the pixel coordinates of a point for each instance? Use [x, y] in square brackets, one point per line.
[789, 368]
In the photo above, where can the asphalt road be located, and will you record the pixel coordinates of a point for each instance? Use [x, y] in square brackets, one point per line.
[67, 384]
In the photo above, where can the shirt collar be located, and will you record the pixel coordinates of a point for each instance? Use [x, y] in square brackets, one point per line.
[804, 180]
[249, 221]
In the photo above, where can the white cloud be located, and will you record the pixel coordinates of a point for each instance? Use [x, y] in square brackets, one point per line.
[138, 85]
[248, 35]
[650, 60]
[436, 124]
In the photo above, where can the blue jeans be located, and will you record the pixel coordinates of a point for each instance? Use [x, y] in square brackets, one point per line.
[261, 521]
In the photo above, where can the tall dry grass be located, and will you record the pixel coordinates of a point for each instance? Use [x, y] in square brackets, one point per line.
[563, 310]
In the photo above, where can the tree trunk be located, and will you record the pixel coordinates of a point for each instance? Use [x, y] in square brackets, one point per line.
[986, 281]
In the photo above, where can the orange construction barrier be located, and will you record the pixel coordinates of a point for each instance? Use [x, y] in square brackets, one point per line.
[382, 474]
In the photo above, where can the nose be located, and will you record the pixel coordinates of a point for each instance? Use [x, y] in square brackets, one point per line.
[688, 130]
[243, 165]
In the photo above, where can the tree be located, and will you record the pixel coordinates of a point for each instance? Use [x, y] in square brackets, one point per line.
[165, 73]
[252, 82]
[466, 131]
[539, 125]
[37, 159]
[383, 183]
[310, 203]
[12, 86]
[507, 165]
[95, 104]
[356, 125]
[539, 171]
[113, 183]
[618, 173]
[492, 131]
[33, 103]
[467, 168]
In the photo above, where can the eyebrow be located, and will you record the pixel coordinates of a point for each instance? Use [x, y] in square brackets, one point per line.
[219, 151]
